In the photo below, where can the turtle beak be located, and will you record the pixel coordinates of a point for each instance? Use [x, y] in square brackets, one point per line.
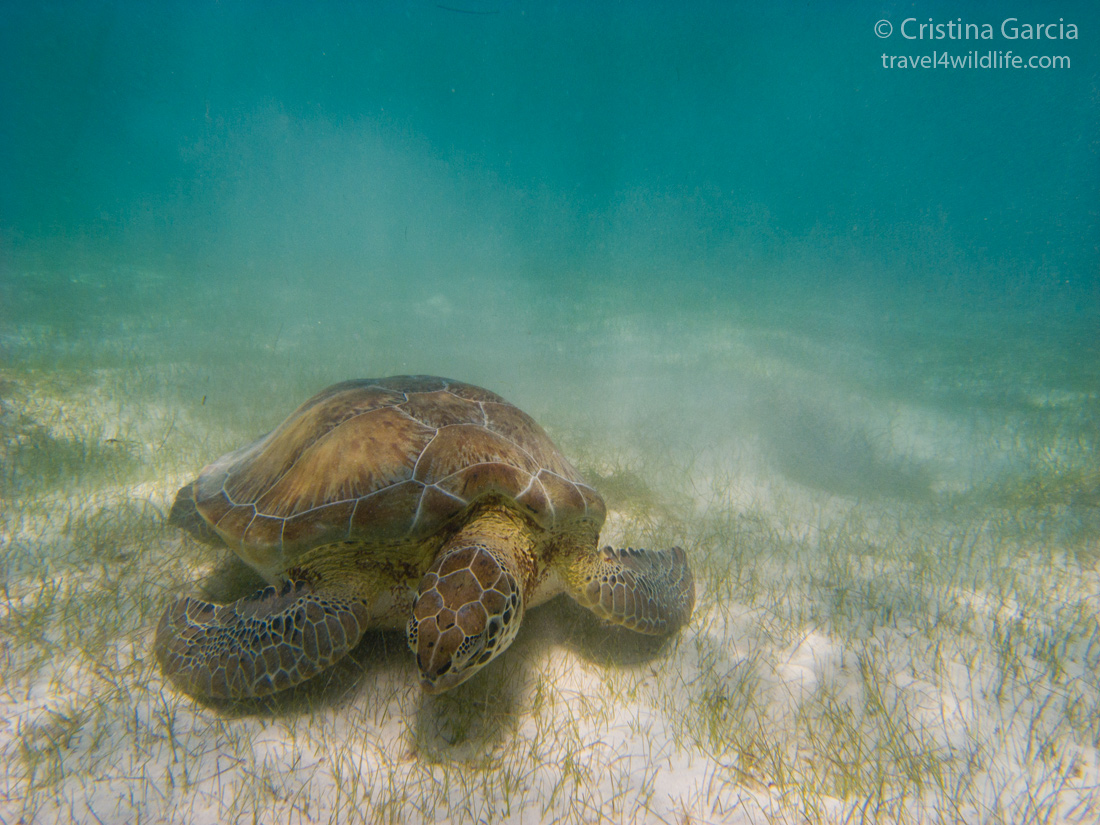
[436, 680]
[435, 654]
[441, 684]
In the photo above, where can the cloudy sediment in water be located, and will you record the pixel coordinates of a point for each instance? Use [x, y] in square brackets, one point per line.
[826, 321]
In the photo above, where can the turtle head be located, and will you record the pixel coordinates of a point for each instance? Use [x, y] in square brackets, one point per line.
[468, 609]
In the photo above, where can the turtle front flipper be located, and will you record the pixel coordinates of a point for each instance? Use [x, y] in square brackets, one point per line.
[271, 640]
[649, 591]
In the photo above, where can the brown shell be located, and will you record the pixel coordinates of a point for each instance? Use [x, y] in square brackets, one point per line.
[385, 460]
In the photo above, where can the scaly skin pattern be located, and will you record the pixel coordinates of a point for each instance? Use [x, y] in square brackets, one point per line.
[269, 641]
[471, 601]
[648, 591]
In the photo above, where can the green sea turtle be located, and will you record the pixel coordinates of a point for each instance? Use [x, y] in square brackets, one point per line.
[408, 501]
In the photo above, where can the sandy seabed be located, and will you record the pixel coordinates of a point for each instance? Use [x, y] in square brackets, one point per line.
[895, 545]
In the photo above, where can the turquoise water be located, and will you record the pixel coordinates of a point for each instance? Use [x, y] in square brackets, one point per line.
[543, 143]
[754, 282]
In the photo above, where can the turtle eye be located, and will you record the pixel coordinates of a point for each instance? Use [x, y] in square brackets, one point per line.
[493, 630]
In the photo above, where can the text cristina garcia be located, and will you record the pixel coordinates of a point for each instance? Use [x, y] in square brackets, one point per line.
[1011, 29]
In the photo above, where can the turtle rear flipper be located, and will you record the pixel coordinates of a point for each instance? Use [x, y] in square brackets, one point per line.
[648, 591]
[274, 639]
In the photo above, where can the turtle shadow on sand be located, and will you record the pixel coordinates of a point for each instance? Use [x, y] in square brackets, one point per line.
[465, 721]
[470, 719]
